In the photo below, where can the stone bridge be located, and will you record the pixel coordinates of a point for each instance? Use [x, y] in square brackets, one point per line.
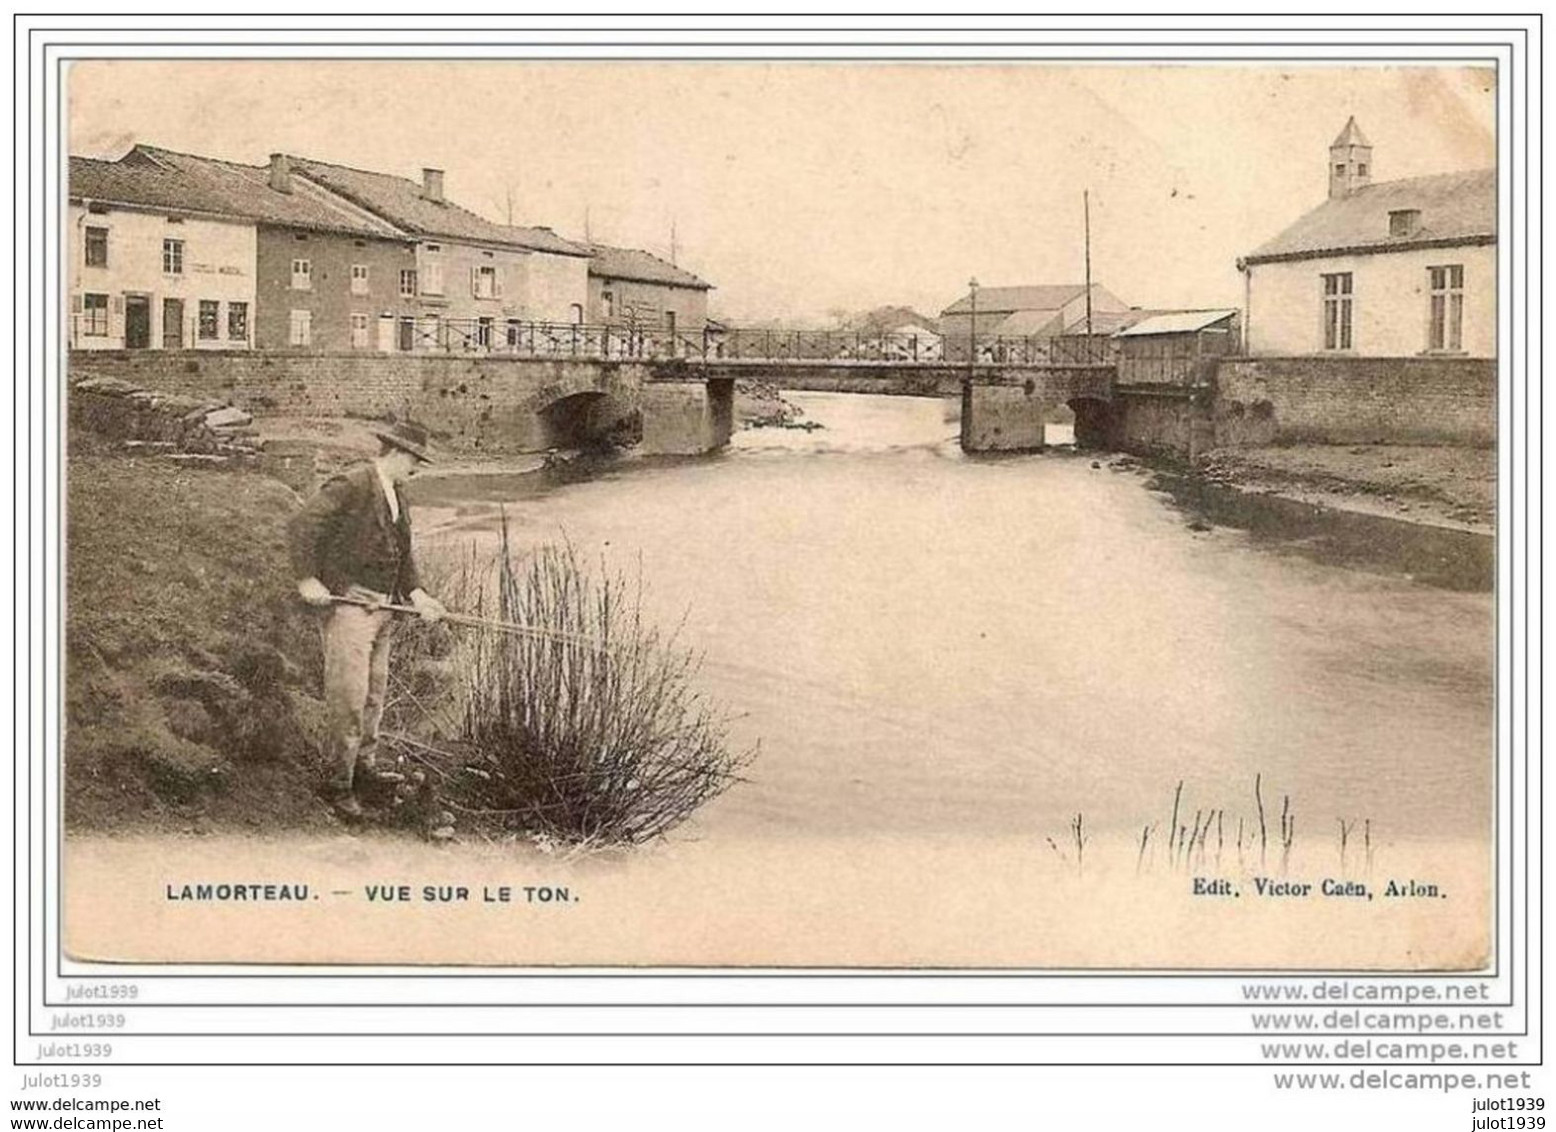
[497, 404]
[1003, 406]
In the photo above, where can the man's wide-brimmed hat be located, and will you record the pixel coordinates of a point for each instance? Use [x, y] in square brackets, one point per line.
[409, 435]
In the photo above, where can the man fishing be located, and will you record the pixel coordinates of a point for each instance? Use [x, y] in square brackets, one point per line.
[351, 550]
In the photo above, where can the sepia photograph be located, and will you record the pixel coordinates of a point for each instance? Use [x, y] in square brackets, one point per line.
[1012, 516]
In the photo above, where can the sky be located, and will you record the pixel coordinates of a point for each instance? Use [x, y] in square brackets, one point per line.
[800, 189]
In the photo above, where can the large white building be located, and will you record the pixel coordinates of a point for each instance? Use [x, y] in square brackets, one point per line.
[1381, 269]
[149, 269]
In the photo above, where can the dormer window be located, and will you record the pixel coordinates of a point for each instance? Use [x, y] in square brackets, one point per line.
[1404, 221]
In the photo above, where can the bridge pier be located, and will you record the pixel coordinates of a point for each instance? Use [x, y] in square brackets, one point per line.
[687, 418]
[1003, 418]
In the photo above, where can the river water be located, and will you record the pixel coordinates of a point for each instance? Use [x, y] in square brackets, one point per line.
[944, 661]
[929, 644]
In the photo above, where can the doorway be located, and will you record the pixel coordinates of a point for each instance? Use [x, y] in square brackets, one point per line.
[172, 324]
[137, 322]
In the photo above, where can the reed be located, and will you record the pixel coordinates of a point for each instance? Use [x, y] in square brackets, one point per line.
[1264, 833]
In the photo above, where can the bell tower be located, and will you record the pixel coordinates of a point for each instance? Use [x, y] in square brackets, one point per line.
[1350, 161]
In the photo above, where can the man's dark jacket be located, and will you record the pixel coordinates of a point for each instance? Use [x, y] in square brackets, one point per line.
[345, 535]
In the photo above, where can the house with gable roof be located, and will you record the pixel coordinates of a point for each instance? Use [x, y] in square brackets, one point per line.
[196, 252]
[164, 249]
[629, 287]
[473, 280]
[1381, 268]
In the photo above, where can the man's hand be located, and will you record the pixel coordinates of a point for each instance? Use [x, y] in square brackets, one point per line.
[430, 608]
[313, 591]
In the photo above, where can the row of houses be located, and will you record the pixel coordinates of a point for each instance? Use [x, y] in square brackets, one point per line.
[173, 251]
[1379, 269]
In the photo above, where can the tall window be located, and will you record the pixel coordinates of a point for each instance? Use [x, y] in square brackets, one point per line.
[94, 316]
[359, 332]
[210, 318]
[97, 247]
[1446, 331]
[407, 282]
[1338, 314]
[300, 329]
[172, 257]
[485, 282]
[483, 333]
[302, 275]
[359, 278]
[238, 322]
[432, 278]
[608, 304]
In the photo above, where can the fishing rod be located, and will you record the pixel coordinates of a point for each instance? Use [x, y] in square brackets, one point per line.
[476, 622]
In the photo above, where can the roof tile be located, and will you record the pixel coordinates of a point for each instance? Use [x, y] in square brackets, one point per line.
[1454, 207]
[642, 267]
[160, 178]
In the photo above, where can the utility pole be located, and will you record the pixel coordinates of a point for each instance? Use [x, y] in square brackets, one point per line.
[588, 239]
[673, 248]
[972, 329]
[1086, 205]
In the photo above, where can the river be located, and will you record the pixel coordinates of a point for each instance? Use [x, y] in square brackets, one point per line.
[945, 660]
[927, 642]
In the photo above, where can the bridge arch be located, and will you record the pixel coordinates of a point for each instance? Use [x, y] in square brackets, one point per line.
[1093, 421]
[590, 420]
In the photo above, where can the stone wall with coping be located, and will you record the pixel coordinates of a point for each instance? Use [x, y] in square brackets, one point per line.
[1349, 400]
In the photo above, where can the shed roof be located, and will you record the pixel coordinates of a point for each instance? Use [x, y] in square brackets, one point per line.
[1456, 208]
[999, 300]
[641, 267]
[162, 178]
[1021, 324]
[1176, 322]
[1109, 322]
[399, 200]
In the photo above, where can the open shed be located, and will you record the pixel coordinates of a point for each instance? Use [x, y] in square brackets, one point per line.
[1174, 349]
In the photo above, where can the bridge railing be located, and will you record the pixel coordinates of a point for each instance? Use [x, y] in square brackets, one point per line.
[537, 339]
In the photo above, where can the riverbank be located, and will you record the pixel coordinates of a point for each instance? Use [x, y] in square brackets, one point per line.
[1439, 486]
[1423, 513]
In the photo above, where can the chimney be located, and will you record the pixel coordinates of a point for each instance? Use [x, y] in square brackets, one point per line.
[280, 173]
[432, 185]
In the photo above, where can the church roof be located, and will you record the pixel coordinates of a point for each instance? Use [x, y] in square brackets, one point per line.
[1351, 135]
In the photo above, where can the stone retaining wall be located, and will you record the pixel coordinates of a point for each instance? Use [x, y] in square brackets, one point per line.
[1346, 400]
[479, 403]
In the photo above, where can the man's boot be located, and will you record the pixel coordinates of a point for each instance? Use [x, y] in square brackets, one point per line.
[345, 805]
[374, 786]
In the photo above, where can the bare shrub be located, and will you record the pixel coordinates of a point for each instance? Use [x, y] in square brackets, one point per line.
[579, 723]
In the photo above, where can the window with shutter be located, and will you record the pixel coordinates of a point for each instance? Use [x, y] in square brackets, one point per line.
[94, 315]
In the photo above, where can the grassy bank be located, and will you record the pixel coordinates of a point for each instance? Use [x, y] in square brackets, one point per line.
[190, 663]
